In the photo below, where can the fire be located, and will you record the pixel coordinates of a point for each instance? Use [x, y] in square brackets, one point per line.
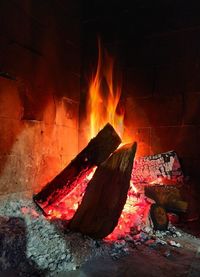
[103, 106]
[103, 103]
[134, 214]
[67, 207]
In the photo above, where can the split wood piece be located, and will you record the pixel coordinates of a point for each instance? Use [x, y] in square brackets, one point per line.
[97, 151]
[106, 194]
[161, 168]
[168, 197]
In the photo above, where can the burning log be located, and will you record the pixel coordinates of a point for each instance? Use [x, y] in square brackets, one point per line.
[162, 168]
[105, 195]
[97, 151]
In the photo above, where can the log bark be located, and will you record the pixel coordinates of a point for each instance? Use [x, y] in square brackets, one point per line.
[97, 151]
[105, 195]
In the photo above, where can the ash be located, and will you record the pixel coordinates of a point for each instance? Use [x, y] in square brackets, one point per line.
[32, 245]
[29, 240]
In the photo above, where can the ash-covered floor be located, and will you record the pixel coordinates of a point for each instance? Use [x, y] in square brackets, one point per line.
[149, 261]
[31, 245]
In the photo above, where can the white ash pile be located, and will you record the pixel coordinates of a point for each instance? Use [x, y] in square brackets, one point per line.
[31, 243]
[29, 240]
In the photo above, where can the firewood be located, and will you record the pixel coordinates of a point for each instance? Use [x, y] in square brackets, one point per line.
[168, 197]
[159, 217]
[105, 195]
[97, 151]
[162, 168]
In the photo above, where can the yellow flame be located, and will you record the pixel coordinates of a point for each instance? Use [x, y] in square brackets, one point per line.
[104, 97]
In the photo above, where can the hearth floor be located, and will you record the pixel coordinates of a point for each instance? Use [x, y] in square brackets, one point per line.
[148, 262]
[31, 245]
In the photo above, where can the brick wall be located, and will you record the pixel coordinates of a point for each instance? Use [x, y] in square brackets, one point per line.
[39, 91]
[157, 47]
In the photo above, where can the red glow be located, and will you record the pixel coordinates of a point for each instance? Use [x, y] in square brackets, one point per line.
[102, 107]
[68, 206]
[134, 214]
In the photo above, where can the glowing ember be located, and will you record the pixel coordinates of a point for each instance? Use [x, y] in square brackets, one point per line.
[133, 215]
[68, 206]
[103, 103]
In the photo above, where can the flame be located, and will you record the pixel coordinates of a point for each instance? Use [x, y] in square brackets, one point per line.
[103, 106]
[103, 103]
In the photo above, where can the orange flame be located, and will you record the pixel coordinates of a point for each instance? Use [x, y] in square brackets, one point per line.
[103, 107]
[104, 97]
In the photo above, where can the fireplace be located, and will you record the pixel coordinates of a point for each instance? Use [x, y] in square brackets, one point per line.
[78, 194]
[40, 87]
[49, 55]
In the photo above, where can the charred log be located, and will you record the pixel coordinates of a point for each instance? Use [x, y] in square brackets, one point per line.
[97, 151]
[105, 195]
[161, 168]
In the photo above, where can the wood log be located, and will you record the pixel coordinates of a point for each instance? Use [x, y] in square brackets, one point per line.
[168, 197]
[105, 195]
[159, 217]
[162, 168]
[97, 151]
